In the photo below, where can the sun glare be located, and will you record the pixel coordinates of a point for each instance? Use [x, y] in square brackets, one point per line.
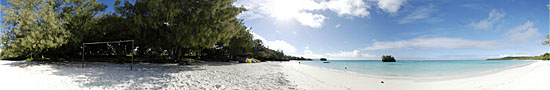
[283, 9]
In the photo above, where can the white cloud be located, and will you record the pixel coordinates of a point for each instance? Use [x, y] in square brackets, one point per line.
[485, 24]
[356, 8]
[308, 52]
[438, 43]
[337, 25]
[537, 52]
[390, 6]
[523, 32]
[355, 54]
[421, 13]
[514, 55]
[302, 10]
[280, 45]
[342, 55]
[311, 20]
[276, 44]
[256, 36]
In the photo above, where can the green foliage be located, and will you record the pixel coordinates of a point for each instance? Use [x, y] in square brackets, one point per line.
[182, 23]
[33, 27]
[241, 43]
[545, 56]
[167, 28]
[547, 42]
[388, 58]
[516, 58]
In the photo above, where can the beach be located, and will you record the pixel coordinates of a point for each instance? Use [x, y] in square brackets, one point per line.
[534, 76]
[248, 76]
[20, 75]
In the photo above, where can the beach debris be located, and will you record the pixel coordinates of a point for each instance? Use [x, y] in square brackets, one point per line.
[345, 67]
[382, 81]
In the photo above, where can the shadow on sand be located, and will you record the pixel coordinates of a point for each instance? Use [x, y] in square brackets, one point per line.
[107, 75]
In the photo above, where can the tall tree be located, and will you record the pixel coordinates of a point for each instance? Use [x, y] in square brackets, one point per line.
[33, 26]
[191, 24]
[241, 44]
[81, 20]
[57, 28]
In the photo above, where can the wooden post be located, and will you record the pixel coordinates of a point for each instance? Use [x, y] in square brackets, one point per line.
[83, 47]
[132, 52]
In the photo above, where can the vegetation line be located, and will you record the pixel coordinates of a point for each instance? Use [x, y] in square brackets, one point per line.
[163, 30]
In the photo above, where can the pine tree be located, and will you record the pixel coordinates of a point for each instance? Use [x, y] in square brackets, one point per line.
[33, 26]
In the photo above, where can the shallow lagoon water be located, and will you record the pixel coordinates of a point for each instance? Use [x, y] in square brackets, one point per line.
[420, 68]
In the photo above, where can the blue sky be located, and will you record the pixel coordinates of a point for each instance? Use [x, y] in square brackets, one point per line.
[405, 29]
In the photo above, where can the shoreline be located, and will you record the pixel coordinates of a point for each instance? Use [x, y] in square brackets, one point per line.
[265, 75]
[425, 78]
[311, 77]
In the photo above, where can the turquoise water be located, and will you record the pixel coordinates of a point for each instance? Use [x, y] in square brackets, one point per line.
[419, 68]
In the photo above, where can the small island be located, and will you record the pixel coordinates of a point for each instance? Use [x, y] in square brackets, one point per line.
[388, 58]
[323, 59]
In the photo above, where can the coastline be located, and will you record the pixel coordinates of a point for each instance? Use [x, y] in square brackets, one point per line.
[428, 77]
[265, 75]
[531, 76]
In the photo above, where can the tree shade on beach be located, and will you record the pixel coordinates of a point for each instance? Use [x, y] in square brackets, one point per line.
[56, 29]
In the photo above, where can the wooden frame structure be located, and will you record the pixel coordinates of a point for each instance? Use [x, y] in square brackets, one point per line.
[120, 41]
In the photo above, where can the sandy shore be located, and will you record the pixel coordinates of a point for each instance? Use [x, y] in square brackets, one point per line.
[17, 75]
[535, 76]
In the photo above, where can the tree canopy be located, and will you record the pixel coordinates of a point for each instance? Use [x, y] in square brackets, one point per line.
[161, 28]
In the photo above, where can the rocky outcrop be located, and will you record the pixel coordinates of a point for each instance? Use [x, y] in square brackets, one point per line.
[388, 58]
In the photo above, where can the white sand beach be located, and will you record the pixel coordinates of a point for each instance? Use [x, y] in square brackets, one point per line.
[18, 75]
[535, 76]
[260, 76]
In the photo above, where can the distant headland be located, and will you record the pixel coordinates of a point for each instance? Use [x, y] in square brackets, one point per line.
[545, 56]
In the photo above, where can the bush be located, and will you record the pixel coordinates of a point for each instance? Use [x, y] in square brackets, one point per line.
[545, 56]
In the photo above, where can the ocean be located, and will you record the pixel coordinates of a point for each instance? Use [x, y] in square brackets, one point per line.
[420, 68]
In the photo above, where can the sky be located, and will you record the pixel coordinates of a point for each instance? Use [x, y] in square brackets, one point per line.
[405, 29]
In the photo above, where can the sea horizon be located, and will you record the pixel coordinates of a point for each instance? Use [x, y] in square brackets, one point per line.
[419, 69]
